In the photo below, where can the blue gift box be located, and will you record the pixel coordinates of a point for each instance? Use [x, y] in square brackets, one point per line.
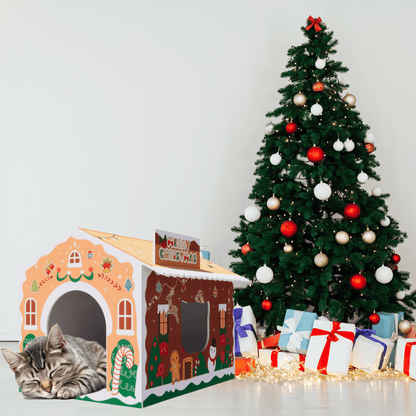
[388, 325]
[296, 331]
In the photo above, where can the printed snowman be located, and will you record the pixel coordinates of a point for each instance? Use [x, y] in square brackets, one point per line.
[212, 355]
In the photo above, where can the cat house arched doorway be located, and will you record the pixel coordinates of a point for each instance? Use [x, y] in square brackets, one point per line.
[79, 314]
[80, 310]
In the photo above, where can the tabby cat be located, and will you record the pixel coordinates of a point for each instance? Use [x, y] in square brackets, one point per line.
[58, 366]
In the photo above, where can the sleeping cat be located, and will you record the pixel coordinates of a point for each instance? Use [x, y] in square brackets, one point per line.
[58, 366]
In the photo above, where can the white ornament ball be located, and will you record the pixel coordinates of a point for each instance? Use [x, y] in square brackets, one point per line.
[338, 145]
[270, 128]
[322, 191]
[321, 260]
[349, 145]
[362, 177]
[369, 138]
[400, 295]
[341, 237]
[384, 275]
[368, 237]
[275, 159]
[252, 213]
[320, 63]
[299, 99]
[273, 203]
[264, 274]
[376, 191]
[288, 248]
[385, 222]
[317, 109]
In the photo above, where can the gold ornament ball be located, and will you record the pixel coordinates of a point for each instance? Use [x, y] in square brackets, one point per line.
[368, 237]
[288, 248]
[321, 260]
[273, 203]
[299, 99]
[342, 237]
[350, 99]
[405, 326]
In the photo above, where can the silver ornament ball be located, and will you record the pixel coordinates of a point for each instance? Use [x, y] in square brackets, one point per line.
[384, 275]
[270, 128]
[275, 159]
[350, 99]
[376, 191]
[299, 99]
[322, 191]
[405, 326]
[338, 145]
[368, 237]
[362, 177]
[320, 63]
[400, 295]
[321, 260]
[273, 203]
[316, 109]
[342, 238]
[349, 145]
[252, 213]
[264, 274]
[385, 222]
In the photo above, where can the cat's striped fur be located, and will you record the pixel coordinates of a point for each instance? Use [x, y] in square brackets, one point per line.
[58, 366]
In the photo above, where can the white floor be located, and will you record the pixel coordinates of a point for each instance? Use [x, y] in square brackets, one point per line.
[233, 398]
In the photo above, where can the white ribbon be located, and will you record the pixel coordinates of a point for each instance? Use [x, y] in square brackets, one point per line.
[296, 338]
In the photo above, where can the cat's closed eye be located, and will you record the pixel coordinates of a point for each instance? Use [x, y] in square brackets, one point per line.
[60, 371]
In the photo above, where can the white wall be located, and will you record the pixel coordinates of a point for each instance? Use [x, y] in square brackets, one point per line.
[126, 116]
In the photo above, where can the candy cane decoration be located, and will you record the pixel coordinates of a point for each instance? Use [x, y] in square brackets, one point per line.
[122, 352]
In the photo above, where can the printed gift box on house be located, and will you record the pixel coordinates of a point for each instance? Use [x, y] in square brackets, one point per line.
[296, 331]
[172, 310]
[330, 347]
[388, 328]
[370, 352]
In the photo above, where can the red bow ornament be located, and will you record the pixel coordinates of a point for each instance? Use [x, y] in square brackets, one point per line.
[331, 346]
[314, 23]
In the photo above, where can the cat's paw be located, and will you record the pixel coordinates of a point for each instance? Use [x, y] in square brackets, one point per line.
[66, 393]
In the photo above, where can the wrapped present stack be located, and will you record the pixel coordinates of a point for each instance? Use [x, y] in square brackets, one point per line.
[306, 342]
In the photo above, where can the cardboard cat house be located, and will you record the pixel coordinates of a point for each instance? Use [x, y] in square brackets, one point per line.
[163, 313]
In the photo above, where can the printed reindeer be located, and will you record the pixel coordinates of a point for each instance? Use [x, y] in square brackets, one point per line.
[173, 310]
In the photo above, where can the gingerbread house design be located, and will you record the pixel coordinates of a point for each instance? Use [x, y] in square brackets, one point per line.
[167, 329]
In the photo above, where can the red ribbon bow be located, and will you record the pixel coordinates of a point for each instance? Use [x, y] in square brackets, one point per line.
[332, 337]
[315, 22]
[407, 351]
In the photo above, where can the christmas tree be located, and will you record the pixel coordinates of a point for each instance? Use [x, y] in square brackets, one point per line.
[315, 239]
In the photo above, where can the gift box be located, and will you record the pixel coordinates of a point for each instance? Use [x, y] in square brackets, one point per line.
[281, 359]
[296, 331]
[242, 364]
[330, 347]
[412, 332]
[269, 342]
[388, 327]
[370, 352]
[245, 334]
[406, 356]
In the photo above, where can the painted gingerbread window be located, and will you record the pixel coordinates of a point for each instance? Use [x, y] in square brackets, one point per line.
[222, 309]
[163, 317]
[125, 318]
[30, 314]
[74, 259]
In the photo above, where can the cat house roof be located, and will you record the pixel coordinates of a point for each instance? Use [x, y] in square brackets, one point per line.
[143, 251]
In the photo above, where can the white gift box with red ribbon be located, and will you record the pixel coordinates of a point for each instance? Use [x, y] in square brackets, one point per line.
[330, 347]
[281, 359]
[406, 356]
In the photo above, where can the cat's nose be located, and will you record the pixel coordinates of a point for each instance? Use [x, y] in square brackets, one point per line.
[46, 386]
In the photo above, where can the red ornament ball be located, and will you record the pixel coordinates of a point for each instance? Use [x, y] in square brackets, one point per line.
[395, 258]
[315, 154]
[266, 305]
[358, 281]
[374, 318]
[318, 86]
[291, 128]
[369, 147]
[288, 228]
[246, 248]
[352, 211]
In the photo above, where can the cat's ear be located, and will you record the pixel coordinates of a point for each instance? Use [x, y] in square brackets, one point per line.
[15, 360]
[55, 339]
